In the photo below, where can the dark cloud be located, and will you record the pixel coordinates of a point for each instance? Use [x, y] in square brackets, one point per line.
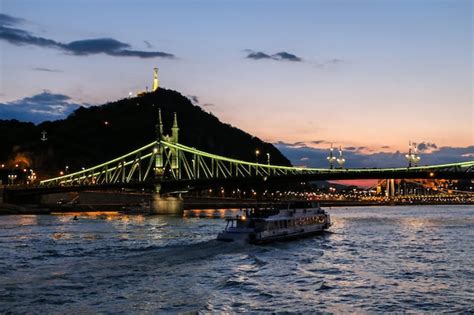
[258, 55]
[9, 20]
[318, 141]
[195, 100]
[281, 56]
[40, 107]
[350, 148]
[317, 157]
[385, 147]
[424, 146]
[46, 70]
[108, 46]
[286, 56]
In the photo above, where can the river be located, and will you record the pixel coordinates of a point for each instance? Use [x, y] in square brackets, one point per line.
[374, 259]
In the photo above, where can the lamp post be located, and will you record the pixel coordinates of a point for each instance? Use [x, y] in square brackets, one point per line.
[331, 158]
[268, 158]
[11, 178]
[257, 152]
[340, 160]
[412, 156]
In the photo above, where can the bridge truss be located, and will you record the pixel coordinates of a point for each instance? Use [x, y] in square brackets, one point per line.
[167, 160]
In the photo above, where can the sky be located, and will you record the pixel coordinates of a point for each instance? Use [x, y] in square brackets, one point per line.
[368, 76]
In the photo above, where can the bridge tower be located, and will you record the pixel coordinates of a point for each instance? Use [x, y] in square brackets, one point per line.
[158, 150]
[174, 152]
[166, 204]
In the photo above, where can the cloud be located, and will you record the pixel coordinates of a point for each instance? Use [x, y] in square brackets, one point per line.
[286, 56]
[258, 55]
[9, 20]
[194, 99]
[281, 56]
[148, 44]
[426, 146]
[85, 47]
[40, 107]
[316, 157]
[46, 70]
[329, 63]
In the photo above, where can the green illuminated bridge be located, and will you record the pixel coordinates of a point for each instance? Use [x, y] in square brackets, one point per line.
[169, 166]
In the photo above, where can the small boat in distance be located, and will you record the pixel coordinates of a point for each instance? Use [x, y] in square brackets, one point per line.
[261, 225]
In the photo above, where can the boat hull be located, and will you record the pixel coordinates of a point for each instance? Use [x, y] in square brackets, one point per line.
[258, 238]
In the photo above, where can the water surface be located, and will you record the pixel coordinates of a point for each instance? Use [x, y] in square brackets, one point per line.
[375, 259]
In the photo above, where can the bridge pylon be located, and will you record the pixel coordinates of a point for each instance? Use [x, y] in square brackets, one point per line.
[390, 190]
[175, 153]
[158, 150]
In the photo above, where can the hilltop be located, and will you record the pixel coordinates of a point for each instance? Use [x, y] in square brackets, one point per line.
[96, 134]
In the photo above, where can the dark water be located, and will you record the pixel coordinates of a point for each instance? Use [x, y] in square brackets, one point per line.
[376, 259]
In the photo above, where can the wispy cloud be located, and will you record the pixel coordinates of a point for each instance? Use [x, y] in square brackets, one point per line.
[10, 32]
[46, 70]
[40, 107]
[280, 56]
[194, 99]
[148, 44]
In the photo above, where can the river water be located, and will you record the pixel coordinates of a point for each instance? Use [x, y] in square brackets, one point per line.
[376, 259]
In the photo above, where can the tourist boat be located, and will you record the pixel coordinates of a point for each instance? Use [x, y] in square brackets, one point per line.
[261, 225]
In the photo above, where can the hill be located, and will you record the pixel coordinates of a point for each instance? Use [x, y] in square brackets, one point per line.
[96, 134]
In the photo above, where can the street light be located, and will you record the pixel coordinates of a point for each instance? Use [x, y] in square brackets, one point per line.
[11, 178]
[257, 152]
[331, 158]
[340, 160]
[268, 158]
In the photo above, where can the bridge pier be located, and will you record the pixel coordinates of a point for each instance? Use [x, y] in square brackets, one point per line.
[166, 205]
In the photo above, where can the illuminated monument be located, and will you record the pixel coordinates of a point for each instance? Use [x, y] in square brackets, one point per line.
[155, 79]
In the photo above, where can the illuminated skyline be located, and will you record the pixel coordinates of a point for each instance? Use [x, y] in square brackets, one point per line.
[368, 75]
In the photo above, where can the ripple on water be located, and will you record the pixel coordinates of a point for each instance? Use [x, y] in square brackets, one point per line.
[382, 259]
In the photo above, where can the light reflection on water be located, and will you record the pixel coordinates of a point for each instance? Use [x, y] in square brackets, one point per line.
[376, 259]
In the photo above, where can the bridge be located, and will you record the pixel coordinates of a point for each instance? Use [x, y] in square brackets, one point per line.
[167, 166]
[166, 161]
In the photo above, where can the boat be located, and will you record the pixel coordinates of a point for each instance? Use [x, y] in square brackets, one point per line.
[276, 223]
